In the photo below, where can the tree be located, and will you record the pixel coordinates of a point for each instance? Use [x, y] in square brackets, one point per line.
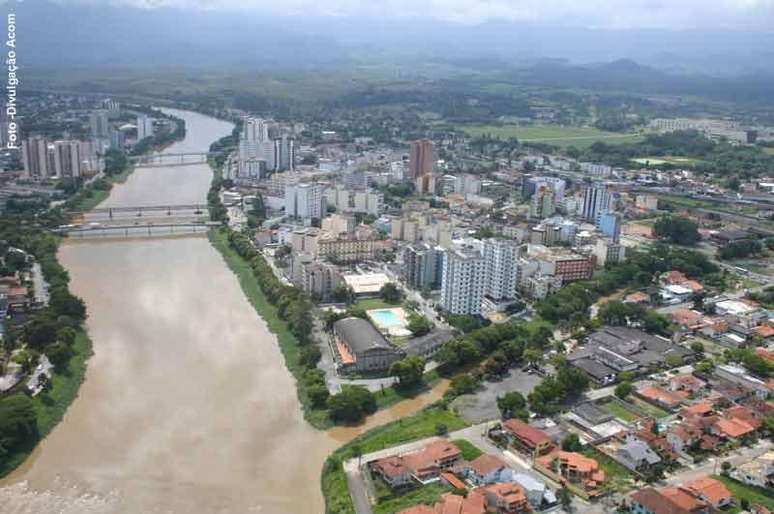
[697, 347]
[704, 366]
[532, 356]
[116, 162]
[623, 390]
[462, 384]
[18, 423]
[565, 498]
[351, 404]
[572, 443]
[409, 371]
[673, 361]
[318, 395]
[441, 429]
[59, 354]
[418, 325]
[64, 303]
[390, 293]
[726, 467]
[343, 294]
[677, 230]
[509, 403]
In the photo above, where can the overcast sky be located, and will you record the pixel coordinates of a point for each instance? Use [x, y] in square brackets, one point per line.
[615, 14]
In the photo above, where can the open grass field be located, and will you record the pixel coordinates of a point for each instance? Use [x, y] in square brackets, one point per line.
[427, 495]
[619, 411]
[618, 477]
[468, 449]
[667, 159]
[755, 495]
[579, 137]
[652, 410]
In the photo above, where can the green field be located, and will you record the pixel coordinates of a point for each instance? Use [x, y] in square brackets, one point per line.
[619, 411]
[579, 137]
[667, 159]
[755, 495]
[468, 449]
[618, 478]
[651, 410]
[427, 495]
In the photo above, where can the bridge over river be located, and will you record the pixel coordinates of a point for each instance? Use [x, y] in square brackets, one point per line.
[156, 160]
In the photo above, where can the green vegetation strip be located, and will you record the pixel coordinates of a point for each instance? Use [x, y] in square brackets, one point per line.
[427, 495]
[417, 426]
[51, 405]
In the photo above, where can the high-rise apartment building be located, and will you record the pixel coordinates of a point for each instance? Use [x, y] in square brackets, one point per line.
[100, 127]
[305, 201]
[462, 281]
[37, 158]
[501, 257]
[421, 269]
[543, 202]
[421, 158]
[596, 200]
[67, 159]
[261, 140]
[144, 127]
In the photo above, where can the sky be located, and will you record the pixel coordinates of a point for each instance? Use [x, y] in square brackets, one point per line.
[757, 15]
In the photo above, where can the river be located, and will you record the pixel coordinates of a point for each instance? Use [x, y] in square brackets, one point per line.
[187, 405]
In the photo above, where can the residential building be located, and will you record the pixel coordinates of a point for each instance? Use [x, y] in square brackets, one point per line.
[669, 500]
[67, 159]
[596, 200]
[711, 491]
[37, 159]
[487, 469]
[527, 438]
[542, 203]
[609, 223]
[759, 472]
[608, 251]
[462, 281]
[144, 127]
[636, 455]
[305, 201]
[422, 266]
[421, 158]
[98, 122]
[500, 274]
[361, 347]
[507, 498]
[581, 474]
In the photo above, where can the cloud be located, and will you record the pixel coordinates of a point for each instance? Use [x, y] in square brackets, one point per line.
[611, 14]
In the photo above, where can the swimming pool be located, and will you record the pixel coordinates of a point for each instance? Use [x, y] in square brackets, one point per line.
[385, 318]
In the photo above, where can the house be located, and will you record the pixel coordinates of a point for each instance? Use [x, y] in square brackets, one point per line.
[636, 455]
[674, 294]
[660, 397]
[732, 428]
[740, 377]
[580, 473]
[361, 347]
[701, 409]
[758, 472]
[688, 319]
[426, 464]
[637, 297]
[392, 471]
[487, 469]
[538, 494]
[686, 382]
[521, 435]
[711, 491]
[674, 277]
[473, 503]
[669, 500]
[506, 498]
[683, 436]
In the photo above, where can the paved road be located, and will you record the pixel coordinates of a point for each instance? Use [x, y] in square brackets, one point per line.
[713, 464]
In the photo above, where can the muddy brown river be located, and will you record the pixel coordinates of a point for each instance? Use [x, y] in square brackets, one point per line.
[187, 405]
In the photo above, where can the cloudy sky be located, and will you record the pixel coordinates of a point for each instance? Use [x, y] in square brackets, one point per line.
[616, 14]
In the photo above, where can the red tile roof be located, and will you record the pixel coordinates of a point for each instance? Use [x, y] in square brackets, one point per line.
[530, 436]
[713, 490]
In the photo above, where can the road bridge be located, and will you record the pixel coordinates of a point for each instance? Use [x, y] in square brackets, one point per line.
[172, 159]
[110, 213]
[135, 230]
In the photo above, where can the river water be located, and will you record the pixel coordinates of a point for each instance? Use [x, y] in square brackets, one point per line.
[187, 405]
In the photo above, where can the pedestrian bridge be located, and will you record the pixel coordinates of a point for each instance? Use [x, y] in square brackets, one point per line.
[157, 160]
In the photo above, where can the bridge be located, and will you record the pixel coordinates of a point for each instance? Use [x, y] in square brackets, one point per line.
[110, 213]
[135, 230]
[172, 159]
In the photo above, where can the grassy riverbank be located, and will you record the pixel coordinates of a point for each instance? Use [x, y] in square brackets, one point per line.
[51, 405]
[417, 426]
[287, 341]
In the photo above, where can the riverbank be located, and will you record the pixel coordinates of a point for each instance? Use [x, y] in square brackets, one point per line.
[51, 405]
[289, 345]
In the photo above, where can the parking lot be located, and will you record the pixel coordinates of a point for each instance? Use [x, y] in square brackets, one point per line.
[482, 405]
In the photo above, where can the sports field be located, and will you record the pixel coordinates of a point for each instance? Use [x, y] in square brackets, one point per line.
[667, 159]
[579, 137]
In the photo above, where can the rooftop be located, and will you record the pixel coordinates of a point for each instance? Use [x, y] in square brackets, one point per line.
[360, 335]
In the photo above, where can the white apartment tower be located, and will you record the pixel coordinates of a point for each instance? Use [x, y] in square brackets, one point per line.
[462, 281]
[67, 159]
[501, 258]
[305, 201]
[144, 127]
[37, 159]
